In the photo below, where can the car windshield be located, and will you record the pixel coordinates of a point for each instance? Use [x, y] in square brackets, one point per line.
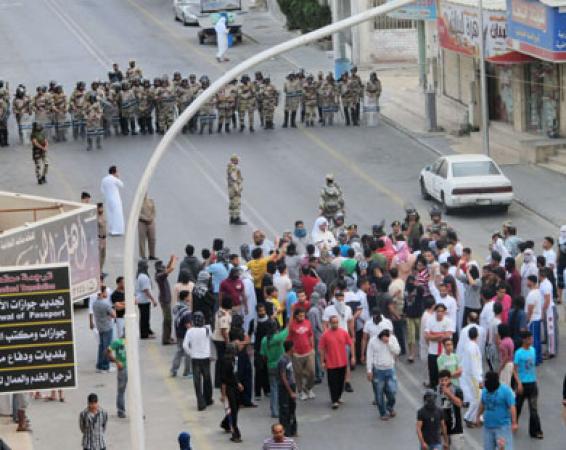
[474, 169]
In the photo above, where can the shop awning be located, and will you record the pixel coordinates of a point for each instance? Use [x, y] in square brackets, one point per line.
[511, 57]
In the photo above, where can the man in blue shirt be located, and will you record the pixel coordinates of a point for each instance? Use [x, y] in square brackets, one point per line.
[218, 272]
[526, 378]
[499, 414]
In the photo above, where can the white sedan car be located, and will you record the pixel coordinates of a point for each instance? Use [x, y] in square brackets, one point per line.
[187, 11]
[466, 180]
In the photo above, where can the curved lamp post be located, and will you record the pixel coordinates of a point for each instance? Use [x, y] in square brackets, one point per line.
[135, 405]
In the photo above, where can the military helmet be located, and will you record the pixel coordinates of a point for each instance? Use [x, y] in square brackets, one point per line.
[43, 89]
[94, 85]
[354, 69]
[258, 75]
[177, 76]
[435, 211]
[20, 91]
[245, 78]
[234, 81]
[184, 82]
[234, 157]
[52, 84]
[81, 85]
[192, 76]
[291, 75]
[329, 177]
[59, 89]
[204, 79]
[267, 79]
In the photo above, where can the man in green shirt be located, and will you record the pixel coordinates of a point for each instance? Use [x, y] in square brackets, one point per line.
[117, 354]
[272, 349]
[449, 360]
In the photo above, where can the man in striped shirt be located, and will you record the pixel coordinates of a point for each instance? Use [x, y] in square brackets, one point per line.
[92, 421]
[279, 441]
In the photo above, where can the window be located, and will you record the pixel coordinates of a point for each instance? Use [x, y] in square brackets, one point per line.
[474, 169]
[390, 23]
[443, 170]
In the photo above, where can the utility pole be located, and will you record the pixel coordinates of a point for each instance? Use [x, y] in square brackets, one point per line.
[421, 36]
[483, 87]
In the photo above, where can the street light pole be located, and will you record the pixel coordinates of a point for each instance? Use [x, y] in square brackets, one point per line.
[135, 404]
[483, 87]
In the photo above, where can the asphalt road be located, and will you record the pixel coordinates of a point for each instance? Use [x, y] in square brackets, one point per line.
[67, 41]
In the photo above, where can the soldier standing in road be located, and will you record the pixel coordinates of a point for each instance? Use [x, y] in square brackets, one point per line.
[329, 100]
[301, 79]
[145, 107]
[270, 100]
[293, 93]
[77, 106]
[166, 99]
[111, 109]
[233, 97]
[155, 94]
[235, 187]
[373, 88]
[22, 110]
[41, 106]
[93, 117]
[246, 103]
[319, 82]
[310, 98]
[128, 104]
[224, 107]
[358, 89]
[59, 113]
[146, 228]
[347, 96]
[39, 152]
[206, 113]
[194, 87]
[331, 199]
[184, 98]
[258, 84]
[133, 72]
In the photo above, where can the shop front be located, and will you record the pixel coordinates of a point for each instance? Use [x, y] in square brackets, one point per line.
[459, 38]
[539, 30]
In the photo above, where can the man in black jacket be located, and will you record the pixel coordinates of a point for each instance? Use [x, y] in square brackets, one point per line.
[190, 263]
[259, 328]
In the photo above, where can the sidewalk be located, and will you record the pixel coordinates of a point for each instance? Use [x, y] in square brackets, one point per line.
[403, 107]
[15, 440]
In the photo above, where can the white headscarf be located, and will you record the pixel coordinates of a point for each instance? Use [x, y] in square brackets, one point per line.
[316, 232]
[220, 26]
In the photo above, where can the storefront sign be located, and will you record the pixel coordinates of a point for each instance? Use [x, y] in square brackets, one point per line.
[537, 29]
[459, 30]
[37, 349]
[419, 10]
[72, 240]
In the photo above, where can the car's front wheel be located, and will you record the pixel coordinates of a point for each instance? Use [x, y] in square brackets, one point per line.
[424, 193]
[185, 21]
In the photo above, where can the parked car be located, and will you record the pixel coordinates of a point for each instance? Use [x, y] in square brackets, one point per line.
[187, 11]
[458, 181]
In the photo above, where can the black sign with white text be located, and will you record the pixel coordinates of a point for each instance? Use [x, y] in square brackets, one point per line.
[37, 348]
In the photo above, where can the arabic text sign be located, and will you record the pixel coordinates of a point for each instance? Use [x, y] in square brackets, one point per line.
[419, 10]
[537, 25]
[72, 239]
[37, 348]
[459, 30]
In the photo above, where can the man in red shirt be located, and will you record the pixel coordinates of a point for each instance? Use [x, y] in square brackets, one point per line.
[332, 347]
[302, 336]
[233, 288]
[302, 302]
[309, 281]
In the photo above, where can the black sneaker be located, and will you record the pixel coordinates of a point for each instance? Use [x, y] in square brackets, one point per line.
[348, 388]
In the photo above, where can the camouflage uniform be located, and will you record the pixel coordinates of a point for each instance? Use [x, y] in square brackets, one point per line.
[318, 83]
[246, 103]
[166, 100]
[348, 97]
[373, 88]
[331, 199]
[258, 85]
[22, 110]
[111, 110]
[39, 155]
[235, 181]
[293, 94]
[358, 91]
[184, 96]
[59, 114]
[270, 100]
[224, 107]
[146, 103]
[328, 96]
[93, 119]
[41, 107]
[77, 106]
[128, 105]
[233, 100]
[310, 97]
[206, 114]
[194, 87]
[133, 72]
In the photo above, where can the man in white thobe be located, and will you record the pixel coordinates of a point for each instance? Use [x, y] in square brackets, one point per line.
[221, 38]
[110, 188]
[472, 376]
